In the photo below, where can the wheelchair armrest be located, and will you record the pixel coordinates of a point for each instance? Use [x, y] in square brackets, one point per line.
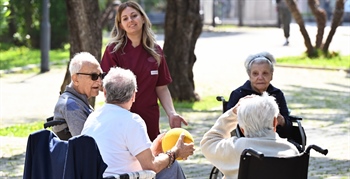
[302, 134]
[143, 174]
[253, 152]
[295, 118]
[224, 103]
[53, 123]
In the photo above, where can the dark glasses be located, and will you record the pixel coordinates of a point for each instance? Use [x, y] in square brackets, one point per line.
[94, 76]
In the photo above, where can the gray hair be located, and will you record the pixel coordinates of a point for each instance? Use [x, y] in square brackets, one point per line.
[76, 63]
[120, 85]
[259, 58]
[256, 115]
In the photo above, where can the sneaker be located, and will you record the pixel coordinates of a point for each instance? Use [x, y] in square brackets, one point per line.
[286, 43]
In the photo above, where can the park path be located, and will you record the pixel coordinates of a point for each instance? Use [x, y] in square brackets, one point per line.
[219, 68]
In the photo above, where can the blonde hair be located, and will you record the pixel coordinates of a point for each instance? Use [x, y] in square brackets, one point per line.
[119, 37]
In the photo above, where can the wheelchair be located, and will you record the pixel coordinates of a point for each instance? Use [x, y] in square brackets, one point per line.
[47, 156]
[254, 165]
[297, 137]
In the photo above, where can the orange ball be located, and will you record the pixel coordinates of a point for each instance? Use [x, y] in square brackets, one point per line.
[170, 138]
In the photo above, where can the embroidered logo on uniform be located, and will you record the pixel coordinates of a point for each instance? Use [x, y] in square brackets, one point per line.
[154, 72]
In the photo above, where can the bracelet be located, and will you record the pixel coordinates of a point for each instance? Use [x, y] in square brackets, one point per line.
[171, 158]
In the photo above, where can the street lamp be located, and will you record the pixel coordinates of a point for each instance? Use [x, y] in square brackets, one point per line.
[214, 7]
[45, 29]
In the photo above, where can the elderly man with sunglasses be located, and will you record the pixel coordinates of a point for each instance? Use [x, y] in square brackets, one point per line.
[73, 106]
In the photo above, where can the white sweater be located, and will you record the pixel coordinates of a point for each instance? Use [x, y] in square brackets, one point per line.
[224, 151]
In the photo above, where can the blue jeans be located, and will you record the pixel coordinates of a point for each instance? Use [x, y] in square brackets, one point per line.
[174, 172]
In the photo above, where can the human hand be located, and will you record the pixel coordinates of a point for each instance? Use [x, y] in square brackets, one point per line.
[183, 150]
[280, 120]
[175, 120]
[156, 147]
[235, 108]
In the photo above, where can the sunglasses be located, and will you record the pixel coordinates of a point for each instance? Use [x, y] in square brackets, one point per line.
[94, 76]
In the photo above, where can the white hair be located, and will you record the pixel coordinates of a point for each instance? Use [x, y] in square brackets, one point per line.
[76, 63]
[256, 115]
[259, 58]
[120, 85]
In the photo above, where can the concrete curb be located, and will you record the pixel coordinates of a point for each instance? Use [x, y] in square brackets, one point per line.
[314, 68]
[29, 67]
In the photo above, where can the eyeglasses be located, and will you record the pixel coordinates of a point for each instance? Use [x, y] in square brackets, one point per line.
[94, 76]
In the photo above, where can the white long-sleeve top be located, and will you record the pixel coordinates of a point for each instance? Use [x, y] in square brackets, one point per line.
[224, 151]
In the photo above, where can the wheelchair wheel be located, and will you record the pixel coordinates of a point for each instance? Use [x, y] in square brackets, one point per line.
[216, 174]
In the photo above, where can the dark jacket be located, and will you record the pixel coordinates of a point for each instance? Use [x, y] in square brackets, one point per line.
[83, 159]
[49, 157]
[246, 89]
[45, 156]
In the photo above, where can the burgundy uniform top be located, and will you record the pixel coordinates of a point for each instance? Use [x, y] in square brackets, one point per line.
[148, 76]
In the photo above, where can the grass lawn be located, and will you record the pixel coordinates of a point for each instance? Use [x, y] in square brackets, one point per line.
[341, 62]
[22, 56]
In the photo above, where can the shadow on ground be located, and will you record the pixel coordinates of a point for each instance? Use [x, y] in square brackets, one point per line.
[12, 167]
[319, 104]
[319, 168]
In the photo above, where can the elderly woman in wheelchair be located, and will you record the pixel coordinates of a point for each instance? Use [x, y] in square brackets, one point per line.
[257, 116]
[260, 68]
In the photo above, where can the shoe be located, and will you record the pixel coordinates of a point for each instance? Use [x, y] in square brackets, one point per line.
[286, 43]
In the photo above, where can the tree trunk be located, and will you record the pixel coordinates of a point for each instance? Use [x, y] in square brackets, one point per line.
[183, 25]
[299, 20]
[321, 19]
[240, 12]
[106, 13]
[84, 31]
[337, 19]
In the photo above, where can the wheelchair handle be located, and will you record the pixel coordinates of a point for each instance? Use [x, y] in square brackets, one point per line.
[317, 148]
[49, 119]
[253, 152]
[220, 98]
[54, 123]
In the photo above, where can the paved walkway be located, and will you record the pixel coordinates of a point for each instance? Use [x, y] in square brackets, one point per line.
[321, 97]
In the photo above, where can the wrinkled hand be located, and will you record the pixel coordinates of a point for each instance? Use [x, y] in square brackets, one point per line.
[235, 108]
[156, 147]
[176, 120]
[183, 150]
[280, 120]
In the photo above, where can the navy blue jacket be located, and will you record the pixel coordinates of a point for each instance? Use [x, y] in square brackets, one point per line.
[246, 89]
[83, 159]
[49, 157]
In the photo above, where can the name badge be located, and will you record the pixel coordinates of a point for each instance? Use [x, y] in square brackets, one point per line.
[154, 72]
